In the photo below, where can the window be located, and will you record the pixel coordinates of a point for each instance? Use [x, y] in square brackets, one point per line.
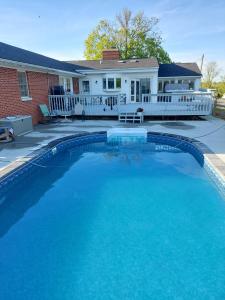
[86, 86]
[23, 85]
[111, 83]
[191, 84]
[118, 83]
[160, 86]
[68, 85]
[145, 85]
[104, 83]
[164, 85]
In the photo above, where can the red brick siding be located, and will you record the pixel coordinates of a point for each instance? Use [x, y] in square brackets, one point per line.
[10, 101]
[75, 85]
[39, 84]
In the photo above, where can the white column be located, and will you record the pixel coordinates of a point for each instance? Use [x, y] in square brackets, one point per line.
[197, 84]
[154, 87]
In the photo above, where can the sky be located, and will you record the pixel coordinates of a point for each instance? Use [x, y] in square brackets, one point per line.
[58, 28]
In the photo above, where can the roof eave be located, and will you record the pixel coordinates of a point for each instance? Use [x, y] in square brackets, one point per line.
[124, 70]
[181, 76]
[16, 64]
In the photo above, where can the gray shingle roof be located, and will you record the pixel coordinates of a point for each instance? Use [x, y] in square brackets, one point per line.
[16, 54]
[179, 69]
[115, 64]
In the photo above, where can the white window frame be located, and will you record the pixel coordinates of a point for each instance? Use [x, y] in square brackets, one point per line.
[27, 97]
[63, 82]
[176, 80]
[110, 77]
[85, 80]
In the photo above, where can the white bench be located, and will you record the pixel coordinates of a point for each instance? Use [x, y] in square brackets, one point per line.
[131, 117]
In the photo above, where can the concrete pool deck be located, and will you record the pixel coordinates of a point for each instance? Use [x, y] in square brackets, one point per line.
[210, 132]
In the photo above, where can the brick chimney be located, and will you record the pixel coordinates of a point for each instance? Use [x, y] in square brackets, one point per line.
[110, 54]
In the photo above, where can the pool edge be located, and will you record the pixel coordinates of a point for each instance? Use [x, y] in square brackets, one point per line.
[214, 166]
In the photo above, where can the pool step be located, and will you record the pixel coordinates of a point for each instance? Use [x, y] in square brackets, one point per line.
[127, 135]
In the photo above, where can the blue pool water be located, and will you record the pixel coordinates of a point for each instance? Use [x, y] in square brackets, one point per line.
[114, 222]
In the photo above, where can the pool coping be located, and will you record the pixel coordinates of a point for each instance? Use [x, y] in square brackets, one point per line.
[212, 163]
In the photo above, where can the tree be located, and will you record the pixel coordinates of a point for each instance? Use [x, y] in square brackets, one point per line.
[210, 74]
[211, 80]
[134, 36]
[124, 21]
[102, 37]
[222, 79]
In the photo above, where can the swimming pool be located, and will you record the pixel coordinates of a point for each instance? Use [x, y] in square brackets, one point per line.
[93, 220]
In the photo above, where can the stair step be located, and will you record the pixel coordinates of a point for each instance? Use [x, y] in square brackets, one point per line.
[131, 117]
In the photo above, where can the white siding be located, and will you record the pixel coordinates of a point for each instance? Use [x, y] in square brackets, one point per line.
[96, 82]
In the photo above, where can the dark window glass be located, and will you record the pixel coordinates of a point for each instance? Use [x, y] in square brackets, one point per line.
[111, 83]
[132, 87]
[137, 91]
[164, 85]
[191, 84]
[104, 83]
[160, 86]
[118, 83]
[145, 85]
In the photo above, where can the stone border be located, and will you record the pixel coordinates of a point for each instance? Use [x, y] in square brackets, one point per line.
[207, 158]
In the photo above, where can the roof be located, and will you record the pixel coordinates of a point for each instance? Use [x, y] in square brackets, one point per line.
[92, 65]
[16, 54]
[179, 69]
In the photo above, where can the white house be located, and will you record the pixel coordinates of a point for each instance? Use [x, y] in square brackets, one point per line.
[133, 77]
[112, 85]
[106, 87]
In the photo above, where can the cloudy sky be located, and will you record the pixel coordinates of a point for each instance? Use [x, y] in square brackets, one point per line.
[59, 28]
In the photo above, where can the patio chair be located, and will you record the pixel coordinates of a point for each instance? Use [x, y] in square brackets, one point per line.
[45, 112]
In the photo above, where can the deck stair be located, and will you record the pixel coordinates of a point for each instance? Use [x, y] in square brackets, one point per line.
[131, 117]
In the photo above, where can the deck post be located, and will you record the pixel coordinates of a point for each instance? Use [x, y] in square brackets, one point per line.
[154, 88]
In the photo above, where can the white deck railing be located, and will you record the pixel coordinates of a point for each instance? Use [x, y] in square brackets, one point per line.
[67, 104]
[176, 97]
[191, 103]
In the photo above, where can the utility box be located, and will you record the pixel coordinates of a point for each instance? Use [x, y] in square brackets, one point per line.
[20, 124]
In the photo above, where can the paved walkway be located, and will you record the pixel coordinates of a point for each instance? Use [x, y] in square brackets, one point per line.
[211, 132]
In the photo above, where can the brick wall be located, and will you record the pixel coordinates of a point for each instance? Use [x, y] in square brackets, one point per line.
[10, 100]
